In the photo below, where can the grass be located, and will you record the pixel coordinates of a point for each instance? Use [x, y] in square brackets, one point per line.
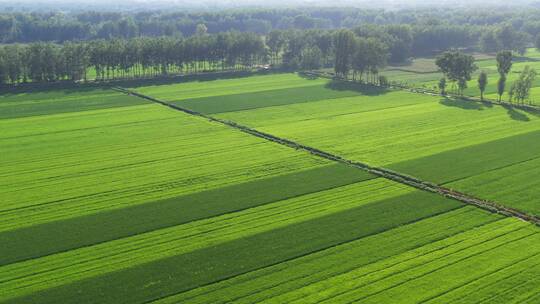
[97, 182]
[360, 270]
[385, 279]
[130, 202]
[222, 87]
[292, 275]
[415, 134]
[450, 271]
[262, 99]
[73, 164]
[515, 186]
[369, 271]
[382, 130]
[76, 232]
[487, 170]
[279, 231]
[460, 144]
[17, 105]
[510, 284]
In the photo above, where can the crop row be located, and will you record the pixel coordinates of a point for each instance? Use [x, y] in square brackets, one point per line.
[137, 203]
[376, 204]
[421, 272]
[263, 99]
[324, 109]
[79, 231]
[27, 104]
[392, 134]
[105, 159]
[295, 274]
[438, 140]
[412, 281]
[222, 87]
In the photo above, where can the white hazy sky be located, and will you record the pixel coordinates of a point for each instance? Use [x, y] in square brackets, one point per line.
[267, 2]
[198, 5]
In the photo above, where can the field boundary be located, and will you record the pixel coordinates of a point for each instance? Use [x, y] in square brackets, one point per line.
[378, 171]
[411, 71]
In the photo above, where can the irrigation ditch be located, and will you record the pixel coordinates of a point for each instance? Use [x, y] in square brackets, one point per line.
[378, 171]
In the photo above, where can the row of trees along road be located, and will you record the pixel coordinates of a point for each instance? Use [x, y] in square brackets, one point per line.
[360, 55]
[140, 57]
[504, 65]
[520, 89]
[458, 69]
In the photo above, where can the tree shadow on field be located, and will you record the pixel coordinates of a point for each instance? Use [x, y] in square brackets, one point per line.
[487, 104]
[524, 59]
[175, 79]
[513, 113]
[308, 76]
[65, 87]
[516, 114]
[364, 89]
[533, 112]
[462, 104]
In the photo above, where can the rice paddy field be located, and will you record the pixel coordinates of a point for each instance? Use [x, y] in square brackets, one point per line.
[109, 198]
[422, 72]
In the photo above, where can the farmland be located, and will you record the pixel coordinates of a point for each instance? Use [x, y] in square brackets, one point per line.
[237, 152]
[419, 135]
[109, 198]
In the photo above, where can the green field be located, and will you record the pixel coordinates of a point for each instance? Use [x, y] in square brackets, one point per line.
[488, 151]
[108, 198]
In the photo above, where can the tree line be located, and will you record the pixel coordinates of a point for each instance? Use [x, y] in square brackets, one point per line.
[104, 59]
[359, 56]
[123, 58]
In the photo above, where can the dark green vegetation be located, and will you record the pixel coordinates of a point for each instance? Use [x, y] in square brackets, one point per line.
[91, 229]
[186, 271]
[458, 68]
[487, 170]
[279, 97]
[135, 58]
[400, 260]
[110, 198]
[62, 101]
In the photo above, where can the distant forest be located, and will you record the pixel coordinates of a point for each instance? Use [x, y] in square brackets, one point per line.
[54, 46]
[463, 24]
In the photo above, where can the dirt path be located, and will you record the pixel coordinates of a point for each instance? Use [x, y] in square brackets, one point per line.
[381, 172]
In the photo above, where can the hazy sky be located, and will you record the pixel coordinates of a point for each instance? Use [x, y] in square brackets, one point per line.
[220, 4]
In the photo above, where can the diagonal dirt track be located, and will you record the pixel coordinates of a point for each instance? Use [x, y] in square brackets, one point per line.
[381, 172]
